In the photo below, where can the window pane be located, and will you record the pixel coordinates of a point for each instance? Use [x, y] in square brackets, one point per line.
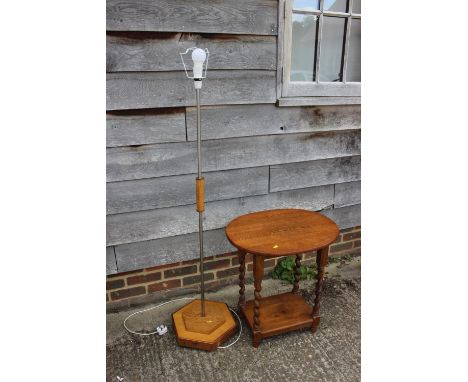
[306, 5]
[357, 6]
[304, 30]
[331, 52]
[335, 5]
[353, 71]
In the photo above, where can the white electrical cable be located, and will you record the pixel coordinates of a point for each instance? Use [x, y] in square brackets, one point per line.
[145, 310]
[168, 302]
[238, 336]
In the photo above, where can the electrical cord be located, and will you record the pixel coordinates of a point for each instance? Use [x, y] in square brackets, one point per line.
[238, 336]
[145, 310]
[168, 302]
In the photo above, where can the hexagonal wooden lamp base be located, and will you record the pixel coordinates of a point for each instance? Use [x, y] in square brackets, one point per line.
[205, 333]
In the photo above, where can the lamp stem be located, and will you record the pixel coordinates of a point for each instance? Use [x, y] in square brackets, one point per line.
[200, 194]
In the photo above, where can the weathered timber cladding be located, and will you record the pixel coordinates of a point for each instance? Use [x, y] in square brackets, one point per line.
[223, 154]
[170, 249]
[257, 154]
[143, 51]
[172, 221]
[345, 217]
[290, 176]
[111, 265]
[139, 90]
[145, 194]
[347, 194]
[257, 17]
[249, 120]
[185, 247]
[307, 101]
[139, 127]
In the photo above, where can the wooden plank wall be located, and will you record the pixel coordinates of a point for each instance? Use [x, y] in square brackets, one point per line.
[256, 155]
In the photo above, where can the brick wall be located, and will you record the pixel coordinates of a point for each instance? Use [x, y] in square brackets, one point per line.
[129, 288]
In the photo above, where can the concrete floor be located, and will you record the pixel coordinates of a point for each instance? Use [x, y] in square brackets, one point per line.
[331, 354]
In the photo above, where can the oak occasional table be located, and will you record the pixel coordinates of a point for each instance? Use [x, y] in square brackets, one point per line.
[276, 233]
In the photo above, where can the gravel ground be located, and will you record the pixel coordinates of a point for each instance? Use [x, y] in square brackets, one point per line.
[331, 354]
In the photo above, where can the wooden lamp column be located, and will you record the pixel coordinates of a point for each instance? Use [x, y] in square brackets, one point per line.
[201, 324]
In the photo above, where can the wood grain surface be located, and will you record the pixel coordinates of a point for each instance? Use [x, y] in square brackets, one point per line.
[171, 191]
[250, 120]
[257, 154]
[140, 90]
[172, 221]
[168, 250]
[124, 163]
[203, 332]
[279, 314]
[347, 194]
[290, 176]
[238, 17]
[142, 254]
[139, 127]
[144, 51]
[346, 217]
[281, 232]
[111, 263]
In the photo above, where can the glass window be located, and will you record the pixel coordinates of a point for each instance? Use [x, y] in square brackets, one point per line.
[306, 5]
[303, 47]
[335, 5]
[322, 48]
[331, 53]
[357, 6]
[353, 71]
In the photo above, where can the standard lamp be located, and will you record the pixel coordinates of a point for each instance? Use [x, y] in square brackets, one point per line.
[201, 324]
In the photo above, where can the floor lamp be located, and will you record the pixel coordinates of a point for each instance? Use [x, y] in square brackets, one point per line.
[201, 324]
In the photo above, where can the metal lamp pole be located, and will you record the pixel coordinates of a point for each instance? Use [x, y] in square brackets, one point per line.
[200, 182]
[211, 328]
[200, 65]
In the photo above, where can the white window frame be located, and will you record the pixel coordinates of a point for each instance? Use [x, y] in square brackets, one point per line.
[333, 92]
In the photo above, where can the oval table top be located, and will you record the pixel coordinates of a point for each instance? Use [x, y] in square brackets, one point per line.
[281, 232]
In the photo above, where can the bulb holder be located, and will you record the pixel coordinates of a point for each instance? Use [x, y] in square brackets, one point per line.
[195, 70]
[198, 83]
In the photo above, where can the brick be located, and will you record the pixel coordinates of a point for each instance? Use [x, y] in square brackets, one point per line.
[125, 273]
[114, 284]
[180, 271]
[341, 247]
[196, 279]
[269, 263]
[190, 262]
[248, 259]
[338, 239]
[347, 230]
[143, 279]
[357, 244]
[216, 284]
[126, 293]
[227, 272]
[159, 267]
[310, 255]
[228, 254]
[308, 262]
[209, 258]
[164, 285]
[352, 236]
[218, 264]
[278, 259]
[107, 297]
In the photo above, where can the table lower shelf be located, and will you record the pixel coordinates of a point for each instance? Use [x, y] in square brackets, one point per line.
[280, 314]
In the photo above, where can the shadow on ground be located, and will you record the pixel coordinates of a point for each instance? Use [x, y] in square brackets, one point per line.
[331, 354]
